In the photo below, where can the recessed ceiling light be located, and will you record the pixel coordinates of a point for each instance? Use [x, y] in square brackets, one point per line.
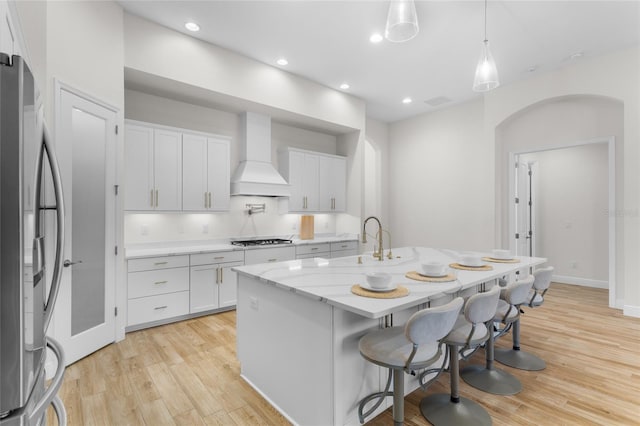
[407, 100]
[376, 38]
[282, 61]
[344, 86]
[192, 26]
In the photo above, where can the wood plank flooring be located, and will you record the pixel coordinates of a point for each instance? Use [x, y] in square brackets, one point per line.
[187, 373]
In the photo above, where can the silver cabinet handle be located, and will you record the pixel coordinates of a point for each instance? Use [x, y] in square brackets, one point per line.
[68, 263]
[157, 308]
[314, 248]
[205, 200]
[218, 258]
[209, 199]
[151, 199]
[217, 275]
[272, 260]
[156, 198]
[159, 263]
[160, 282]
[221, 275]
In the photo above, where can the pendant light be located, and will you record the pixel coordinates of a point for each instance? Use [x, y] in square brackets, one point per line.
[486, 72]
[402, 21]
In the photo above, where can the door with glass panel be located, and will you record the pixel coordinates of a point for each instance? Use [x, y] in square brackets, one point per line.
[86, 146]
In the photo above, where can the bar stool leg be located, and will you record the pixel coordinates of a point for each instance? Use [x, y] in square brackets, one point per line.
[398, 397]
[488, 378]
[516, 358]
[446, 410]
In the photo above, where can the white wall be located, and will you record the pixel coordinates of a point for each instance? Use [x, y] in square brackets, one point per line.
[178, 226]
[572, 211]
[441, 180]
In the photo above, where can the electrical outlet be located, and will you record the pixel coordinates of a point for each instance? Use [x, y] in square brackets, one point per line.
[253, 302]
[144, 230]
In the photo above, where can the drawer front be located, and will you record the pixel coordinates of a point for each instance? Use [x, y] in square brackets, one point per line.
[152, 283]
[152, 263]
[343, 253]
[344, 245]
[312, 249]
[268, 255]
[325, 255]
[217, 257]
[155, 308]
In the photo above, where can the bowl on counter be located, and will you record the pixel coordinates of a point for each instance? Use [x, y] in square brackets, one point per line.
[379, 280]
[472, 260]
[501, 254]
[434, 269]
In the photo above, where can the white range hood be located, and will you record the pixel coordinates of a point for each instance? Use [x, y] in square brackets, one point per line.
[255, 174]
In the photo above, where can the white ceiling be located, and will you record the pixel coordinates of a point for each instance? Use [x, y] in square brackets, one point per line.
[328, 41]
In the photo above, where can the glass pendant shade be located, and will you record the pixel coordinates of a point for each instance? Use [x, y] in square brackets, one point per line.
[486, 72]
[402, 21]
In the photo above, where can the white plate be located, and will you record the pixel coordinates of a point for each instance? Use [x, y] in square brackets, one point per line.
[422, 274]
[471, 266]
[378, 290]
[501, 258]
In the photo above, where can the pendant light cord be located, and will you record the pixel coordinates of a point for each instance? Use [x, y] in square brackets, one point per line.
[485, 21]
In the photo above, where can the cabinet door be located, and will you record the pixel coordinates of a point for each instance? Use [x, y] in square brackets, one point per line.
[204, 288]
[138, 180]
[194, 177]
[310, 182]
[332, 185]
[218, 174]
[167, 166]
[296, 180]
[228, 288]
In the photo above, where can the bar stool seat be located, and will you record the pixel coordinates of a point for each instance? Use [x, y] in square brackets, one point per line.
[487, 378]
[407, 348]
[515, 357]
[470, 332]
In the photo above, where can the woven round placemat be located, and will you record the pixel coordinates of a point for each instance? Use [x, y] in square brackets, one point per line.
[414, 275]
[401, 291]
[494, 260]
[471, 268]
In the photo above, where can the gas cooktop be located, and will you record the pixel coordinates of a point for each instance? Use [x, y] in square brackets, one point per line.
[261, 242]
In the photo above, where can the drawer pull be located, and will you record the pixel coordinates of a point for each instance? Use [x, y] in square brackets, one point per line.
[160, 263]
[314, 248]
[157, 308]
[160, 282]
[218, 258]
[344, 246]
[272, 260]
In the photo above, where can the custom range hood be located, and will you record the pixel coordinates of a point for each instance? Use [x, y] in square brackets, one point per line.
[255, 174]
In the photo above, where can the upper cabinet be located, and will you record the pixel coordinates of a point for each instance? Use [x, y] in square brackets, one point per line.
[318, 181]
[205, 179]
[153, 171]
[173, 169]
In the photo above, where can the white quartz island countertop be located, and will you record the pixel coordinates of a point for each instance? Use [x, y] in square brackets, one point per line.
[330, 280]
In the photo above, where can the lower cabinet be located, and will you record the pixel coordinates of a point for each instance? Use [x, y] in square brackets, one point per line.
[344, 248]
[213, 286]
[305, 251]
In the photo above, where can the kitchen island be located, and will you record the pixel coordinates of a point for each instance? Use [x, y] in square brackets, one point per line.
[298, 327]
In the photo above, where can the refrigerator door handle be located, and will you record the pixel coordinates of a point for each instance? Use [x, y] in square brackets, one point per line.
[50, 395]
[59, 207]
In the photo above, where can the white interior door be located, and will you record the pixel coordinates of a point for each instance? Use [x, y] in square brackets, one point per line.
[86, 146]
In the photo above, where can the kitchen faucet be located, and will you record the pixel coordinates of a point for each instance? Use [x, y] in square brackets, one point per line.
[378, 254]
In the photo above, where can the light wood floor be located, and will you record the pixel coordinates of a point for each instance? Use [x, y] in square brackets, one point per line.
[187, 373]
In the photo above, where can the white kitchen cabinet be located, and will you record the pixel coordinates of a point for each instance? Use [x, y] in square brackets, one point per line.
[332, 184]
[318, 181]
[269, 255]
[153, 172]
[206, 176]
[305, 251]
[344, 248]
[213, 283]
[157, 289]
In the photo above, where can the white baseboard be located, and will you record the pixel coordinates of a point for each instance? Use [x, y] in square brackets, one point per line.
[631, 311]
[585, 282]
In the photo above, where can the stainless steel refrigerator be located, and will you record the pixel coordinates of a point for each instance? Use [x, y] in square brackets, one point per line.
[30, 196]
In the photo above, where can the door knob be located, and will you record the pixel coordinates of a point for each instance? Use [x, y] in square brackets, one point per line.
[68, 263]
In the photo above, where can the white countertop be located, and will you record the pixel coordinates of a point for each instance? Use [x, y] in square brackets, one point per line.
[172, 248]
[330, 280]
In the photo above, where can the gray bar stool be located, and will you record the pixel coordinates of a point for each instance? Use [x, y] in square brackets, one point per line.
[487, 378]
[406, 349]
[515, 357]
[469, 332]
